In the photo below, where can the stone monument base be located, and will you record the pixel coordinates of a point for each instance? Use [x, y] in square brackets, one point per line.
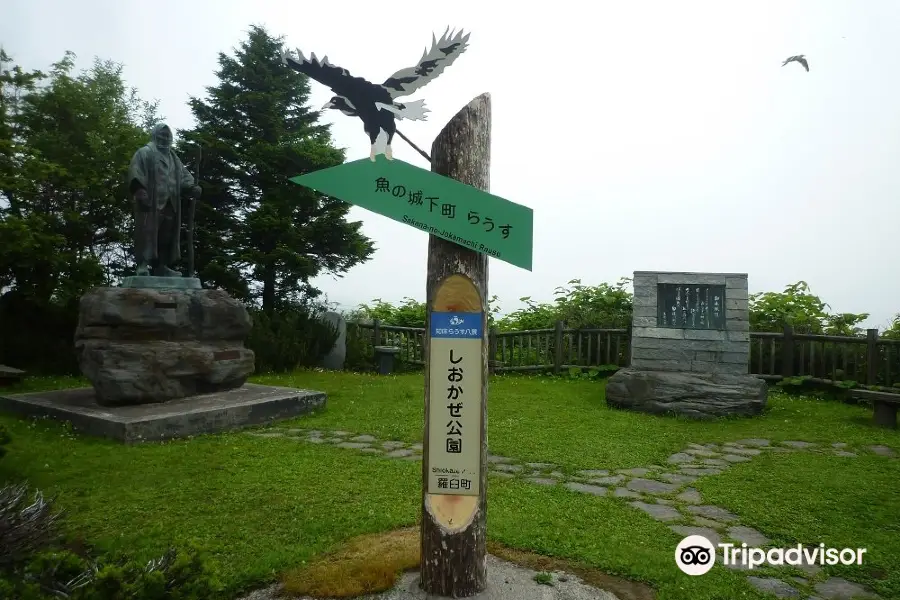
[694, 395]
[139, 345]
[248, 405]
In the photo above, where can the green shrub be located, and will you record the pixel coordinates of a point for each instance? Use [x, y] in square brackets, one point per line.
[26, 526]
[290, 337]
[4, 440]
[177, 575]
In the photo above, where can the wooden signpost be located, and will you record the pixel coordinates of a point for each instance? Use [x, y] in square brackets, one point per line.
[456, 378]
[466, 225]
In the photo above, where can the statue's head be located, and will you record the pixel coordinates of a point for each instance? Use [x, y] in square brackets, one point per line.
[162, 136]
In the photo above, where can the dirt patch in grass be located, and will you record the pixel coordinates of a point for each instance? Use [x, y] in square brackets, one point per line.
[622, 588]
[365, 565]
[373, 563]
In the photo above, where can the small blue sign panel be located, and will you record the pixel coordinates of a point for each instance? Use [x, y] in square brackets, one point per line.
[465, 325]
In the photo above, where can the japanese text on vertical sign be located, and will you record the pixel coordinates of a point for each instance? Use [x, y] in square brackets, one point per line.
[454, 391]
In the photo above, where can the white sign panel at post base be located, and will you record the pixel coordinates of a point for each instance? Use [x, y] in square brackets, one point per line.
[455, 380]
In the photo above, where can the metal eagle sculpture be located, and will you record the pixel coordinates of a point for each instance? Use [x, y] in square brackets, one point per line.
[800, 58]
[376, 104]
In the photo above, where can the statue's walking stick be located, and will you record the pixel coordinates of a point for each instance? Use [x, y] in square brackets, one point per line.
[190, 223]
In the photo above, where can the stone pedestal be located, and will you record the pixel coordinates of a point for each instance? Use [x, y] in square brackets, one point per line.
[140, 345]
[694, 395]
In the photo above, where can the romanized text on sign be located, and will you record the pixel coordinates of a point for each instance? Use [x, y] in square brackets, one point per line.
[455, 386]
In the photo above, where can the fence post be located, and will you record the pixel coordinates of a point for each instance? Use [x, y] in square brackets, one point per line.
[376, 332]
[787, 352]
[871, 356]
[558, 351]
[492, 350]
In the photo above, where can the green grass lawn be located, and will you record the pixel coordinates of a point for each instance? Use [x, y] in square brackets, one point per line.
[262, 505]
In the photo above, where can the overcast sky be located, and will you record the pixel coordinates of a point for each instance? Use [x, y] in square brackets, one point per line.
[644, 135]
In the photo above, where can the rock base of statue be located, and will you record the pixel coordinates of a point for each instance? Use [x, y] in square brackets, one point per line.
[140, 345]
[694, 395]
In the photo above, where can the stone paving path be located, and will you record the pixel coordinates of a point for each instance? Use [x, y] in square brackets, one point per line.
[664, 492]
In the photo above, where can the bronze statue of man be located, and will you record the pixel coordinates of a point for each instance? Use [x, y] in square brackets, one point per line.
[157, 181]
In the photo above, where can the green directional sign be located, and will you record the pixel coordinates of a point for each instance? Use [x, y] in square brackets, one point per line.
[433, 203]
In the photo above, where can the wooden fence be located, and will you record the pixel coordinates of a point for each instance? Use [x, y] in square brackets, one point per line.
[868, 360]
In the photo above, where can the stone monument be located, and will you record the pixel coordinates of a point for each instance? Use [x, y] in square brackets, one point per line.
[690, 348]
[165, 357]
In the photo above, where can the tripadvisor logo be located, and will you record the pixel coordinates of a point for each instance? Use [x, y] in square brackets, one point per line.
[696, 555]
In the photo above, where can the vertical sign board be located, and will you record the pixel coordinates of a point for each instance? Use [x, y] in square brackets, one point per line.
[455, 383]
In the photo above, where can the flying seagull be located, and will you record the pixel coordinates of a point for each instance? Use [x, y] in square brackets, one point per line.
[800, 58]
[375, 103]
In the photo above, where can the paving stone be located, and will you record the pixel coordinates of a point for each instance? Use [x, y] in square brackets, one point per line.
[711, 446]
[735, 458]
[636, 472]
[680, 457]
[795, 444]
[594, 490]
[882, 450]
[542, 480]
[677, 477]
[701, 452]
[704, 522]
[712, 512]
[711, 534]
[759, 443]
[314, 433]
[625, 493]
[611, 480]
[508, 468]
[690, 495]
[781, 449]
[716, 462]
[839, 445]
[649, 486]
[315, 440]
[737, 566]
[749, 536]
[417, 447]
[591, 473]
[392, 445]
[363, 438]
[557, 475]
[800, 580]
[372, 450]
[773, 586]
[352, 445]
[399, 453]
[709, 471]
[496, 460]
[267, 434]
[294, 431]
[540, 466]
[744, 451]
[844, 453]
[664, 501]
[836, 588]
[335, 440]
[340, 433]
[659, 512]
[502, 474]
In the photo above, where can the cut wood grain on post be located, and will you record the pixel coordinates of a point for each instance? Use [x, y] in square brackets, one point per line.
[453, 526]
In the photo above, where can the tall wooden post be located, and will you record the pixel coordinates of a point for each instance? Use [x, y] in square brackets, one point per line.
[454, 462]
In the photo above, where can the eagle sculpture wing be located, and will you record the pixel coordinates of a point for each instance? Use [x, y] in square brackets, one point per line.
[337, 78]
[433, 62]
